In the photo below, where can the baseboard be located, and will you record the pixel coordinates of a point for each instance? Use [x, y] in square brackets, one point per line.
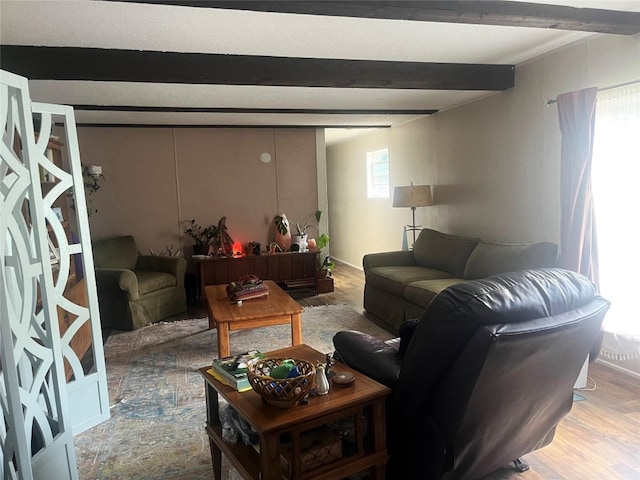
[618, 368]
[357, 267]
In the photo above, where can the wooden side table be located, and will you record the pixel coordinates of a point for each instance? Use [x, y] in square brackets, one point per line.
[346, 427]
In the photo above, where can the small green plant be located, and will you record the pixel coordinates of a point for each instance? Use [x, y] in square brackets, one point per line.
[327, 264]
[302, 230]
[201, 235]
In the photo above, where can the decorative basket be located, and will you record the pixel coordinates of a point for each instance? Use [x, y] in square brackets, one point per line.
[281, 392]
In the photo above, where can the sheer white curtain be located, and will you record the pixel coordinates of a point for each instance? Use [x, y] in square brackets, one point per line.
[616, 189]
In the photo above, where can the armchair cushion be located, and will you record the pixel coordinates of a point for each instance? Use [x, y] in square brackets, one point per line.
[176, 266]
[151, 281]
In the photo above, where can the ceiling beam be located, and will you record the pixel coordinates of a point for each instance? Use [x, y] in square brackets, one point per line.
[287, 111]
[95, 64]
[486, 12]
[209, 126]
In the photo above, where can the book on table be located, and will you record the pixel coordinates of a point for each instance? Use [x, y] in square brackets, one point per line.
[232, 370]
[246, 288]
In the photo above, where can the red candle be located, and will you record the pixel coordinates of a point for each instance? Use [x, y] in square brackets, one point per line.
[237, 248]
[311, 244]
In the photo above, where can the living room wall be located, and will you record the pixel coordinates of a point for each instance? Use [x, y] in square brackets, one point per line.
[156, 179]
[494, 164]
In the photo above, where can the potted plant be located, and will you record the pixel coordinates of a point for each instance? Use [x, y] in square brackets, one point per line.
[326, 264]
[300, 236]
[202, 236]
[283, 233]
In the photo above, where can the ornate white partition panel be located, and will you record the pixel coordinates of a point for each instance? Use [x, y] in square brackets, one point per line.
[43, 404]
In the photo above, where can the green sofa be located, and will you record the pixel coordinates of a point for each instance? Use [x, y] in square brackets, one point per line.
[400, 285]
[135, 290]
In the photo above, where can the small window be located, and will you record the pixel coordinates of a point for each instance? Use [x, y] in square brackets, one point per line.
[378, 173]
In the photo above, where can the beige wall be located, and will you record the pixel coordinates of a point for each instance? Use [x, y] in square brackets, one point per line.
[158, 178]
[493, 163]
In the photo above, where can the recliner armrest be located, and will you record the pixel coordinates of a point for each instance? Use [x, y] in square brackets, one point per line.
[115, 280]
[368, 355]
[176, 266]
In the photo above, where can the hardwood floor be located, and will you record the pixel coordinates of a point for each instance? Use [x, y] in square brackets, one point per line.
[599, 439]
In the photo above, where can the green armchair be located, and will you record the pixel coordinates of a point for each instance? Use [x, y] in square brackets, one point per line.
[135, 290]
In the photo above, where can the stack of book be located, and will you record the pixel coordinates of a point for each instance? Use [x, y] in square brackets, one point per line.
[247, 288]
[232, 371]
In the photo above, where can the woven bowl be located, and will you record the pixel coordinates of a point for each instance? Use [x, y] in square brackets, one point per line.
[281, 392]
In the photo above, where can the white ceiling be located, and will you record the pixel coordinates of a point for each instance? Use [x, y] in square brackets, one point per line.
[133, 26]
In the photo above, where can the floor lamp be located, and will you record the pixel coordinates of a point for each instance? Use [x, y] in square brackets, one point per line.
[412, 196]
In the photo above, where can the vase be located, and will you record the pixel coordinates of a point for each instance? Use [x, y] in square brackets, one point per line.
[301, 241]
[200, 249]
[322, 383]
[283, 240]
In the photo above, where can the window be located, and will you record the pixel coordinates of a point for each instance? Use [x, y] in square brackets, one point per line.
[615, 173]
[378, 173]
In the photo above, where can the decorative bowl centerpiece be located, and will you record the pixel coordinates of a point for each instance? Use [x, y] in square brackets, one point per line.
[281, 382]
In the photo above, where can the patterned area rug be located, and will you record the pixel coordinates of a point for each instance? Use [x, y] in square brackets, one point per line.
[156, 429]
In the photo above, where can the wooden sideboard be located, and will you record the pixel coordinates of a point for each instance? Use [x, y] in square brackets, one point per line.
[290, 269]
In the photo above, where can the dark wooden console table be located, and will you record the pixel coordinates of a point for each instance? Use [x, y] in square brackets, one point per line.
[290, 269]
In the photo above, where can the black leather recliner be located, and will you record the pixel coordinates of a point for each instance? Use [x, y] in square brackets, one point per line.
[485, 375]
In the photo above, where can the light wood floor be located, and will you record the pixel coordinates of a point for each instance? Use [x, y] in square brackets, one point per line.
[598, 440]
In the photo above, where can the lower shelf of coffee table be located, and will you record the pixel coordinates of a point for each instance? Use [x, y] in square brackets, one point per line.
[335, 450]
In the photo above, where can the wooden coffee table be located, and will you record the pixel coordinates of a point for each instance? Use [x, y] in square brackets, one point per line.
[301, 443]
[277, 308]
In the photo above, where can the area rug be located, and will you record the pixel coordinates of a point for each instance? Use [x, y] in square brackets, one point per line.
[156, 429]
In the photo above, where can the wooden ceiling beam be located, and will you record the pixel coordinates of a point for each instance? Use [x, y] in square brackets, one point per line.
[95, 64]
[485, 12]
[287, 111]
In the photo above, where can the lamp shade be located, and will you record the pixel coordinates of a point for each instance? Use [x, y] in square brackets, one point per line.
[412, 196]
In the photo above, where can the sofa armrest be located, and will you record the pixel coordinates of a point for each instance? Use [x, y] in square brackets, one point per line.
[112, 281]
[368, 355]
[176, 266]
[385, 259]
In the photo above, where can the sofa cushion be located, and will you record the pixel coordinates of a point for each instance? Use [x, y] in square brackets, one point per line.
[489, 259]
[151, 281]
[119, 252]
[423, 291]
[393, 279]
[443, 251]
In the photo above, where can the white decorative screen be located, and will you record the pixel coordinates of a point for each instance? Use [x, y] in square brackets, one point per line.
[47, 393]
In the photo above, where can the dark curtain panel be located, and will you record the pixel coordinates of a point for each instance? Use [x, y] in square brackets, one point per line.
[578, 242]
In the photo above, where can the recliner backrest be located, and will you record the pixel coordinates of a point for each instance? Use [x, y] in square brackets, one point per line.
[493, 361]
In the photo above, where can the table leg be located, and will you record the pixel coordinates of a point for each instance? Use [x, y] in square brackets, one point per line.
[223, 339]
[212, 322]
[296, 329]
[270, 468]
[216, 460]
